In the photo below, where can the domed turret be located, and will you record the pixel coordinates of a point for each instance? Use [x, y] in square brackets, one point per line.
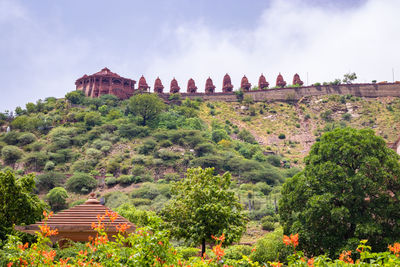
[279, 81]
[210, 87]
[262, 83]
[226, 84]
[174, 87]
[158, 87]
[191, 86]
[296, 80]
[142, 85]
[245, 85]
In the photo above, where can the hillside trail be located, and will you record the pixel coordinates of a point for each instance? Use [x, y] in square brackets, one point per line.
[305, 138]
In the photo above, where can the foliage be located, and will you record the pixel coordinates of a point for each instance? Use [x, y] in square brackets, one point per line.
[49, 180]
[203, 206]
[18, 204]
[147, 106]
[11, 154]
[57, 198]
[246, 136]
[75, 97]
[349, 77]
[81, 183]
[347, 192]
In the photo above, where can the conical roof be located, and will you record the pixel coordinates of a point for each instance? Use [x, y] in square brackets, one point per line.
[76, 223]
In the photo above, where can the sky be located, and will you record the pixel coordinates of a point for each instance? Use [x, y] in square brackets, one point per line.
[45, 45]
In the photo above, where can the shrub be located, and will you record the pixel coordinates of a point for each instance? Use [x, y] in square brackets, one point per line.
[36, 160]
[49, 180]
[92, 118]
[81, 183]
[26, 139]
[132, 130]
[172, 177]
[115, 199]
[236, 252]
[219, 134]
[270, 248]
[111, 181]
[327, 115]
[165, 143]
[204, 148]
[167, 154]
[187, 252]
[11, 138]
[11, 154]
[126, 179]
[82, 166]
[282, 136]
[147, 147]
[140, 201]
[246, 136]
[57, 198]
[274, 160]
[49, 166]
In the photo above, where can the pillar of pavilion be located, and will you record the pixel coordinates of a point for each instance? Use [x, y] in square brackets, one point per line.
[280, 82]
[142, 85]
[262, 83]
[76, 223]
[158, 86]
[174, 87]
[210, 87]
[227, 84]
[191, 87]
[244, 84]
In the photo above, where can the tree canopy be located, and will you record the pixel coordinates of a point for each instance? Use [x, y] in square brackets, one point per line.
[202, 206]
[146, 106]
[18, 203]
[348, 191]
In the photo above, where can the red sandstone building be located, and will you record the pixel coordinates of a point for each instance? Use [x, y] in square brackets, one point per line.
[106, 82]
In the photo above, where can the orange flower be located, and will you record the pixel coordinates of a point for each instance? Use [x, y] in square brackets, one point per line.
[46, 231]
[295, 240]
[160, 243]
[276, 264]
[311, 262]
[345, 257]
[219, 252]
[49, 255]
[395, 249]
[10, 264]
[286, 240]
[23, 247]
[122, 227]
[221, 238]
[253, 249]
[112, 215]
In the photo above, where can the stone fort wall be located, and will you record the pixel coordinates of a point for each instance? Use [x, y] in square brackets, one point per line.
[296, 93]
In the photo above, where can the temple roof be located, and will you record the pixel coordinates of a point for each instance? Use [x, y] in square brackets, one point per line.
[76, 223]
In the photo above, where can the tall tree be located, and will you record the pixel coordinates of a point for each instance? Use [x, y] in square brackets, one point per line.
[147, 106]
[18, 203]
[202, 206]
[348, 191]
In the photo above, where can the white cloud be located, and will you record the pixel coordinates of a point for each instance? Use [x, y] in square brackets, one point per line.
[290, 37]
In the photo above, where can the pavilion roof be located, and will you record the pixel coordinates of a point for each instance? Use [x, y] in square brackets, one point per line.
[76, 223]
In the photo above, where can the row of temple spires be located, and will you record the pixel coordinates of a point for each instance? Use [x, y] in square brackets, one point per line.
[210, 88]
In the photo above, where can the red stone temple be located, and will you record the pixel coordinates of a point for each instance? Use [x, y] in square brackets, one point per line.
[105, 82]
[296, 80]
[262, 83]
[210, 87]
[158, 86]
[142, 85]
[226, 84]
[244, 84]
[174, 87]
[279, 81]
[191, 87]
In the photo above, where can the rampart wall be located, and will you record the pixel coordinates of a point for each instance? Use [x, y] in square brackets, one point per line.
[296, 93]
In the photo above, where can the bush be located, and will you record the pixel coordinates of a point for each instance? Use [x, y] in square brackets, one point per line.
[36, 161]
[126, 180]
[268, 225]
[147, 147]
[167, 154]
[82, 166]
[219, 134]
[57, 198]
[282, 136]
[246, 136]
[11, 154]
[274, 160]
[11, 138]
[204, 148]
[140, 201]
[187, 252]
[26, 139]
[81, 183]
[271, 248]
[327, 115]
[236, 252]
[49, 166]
[92, 118]
[49, 180]
[132, 130]
[111, 181]
[165, 143]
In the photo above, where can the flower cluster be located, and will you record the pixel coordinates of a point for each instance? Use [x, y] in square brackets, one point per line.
[292, 240]
[395, 249]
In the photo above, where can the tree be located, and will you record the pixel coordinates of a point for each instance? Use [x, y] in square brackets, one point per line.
[75, 97]
[147, 106]
[202, 206]
[349, 77]
[57, 198]
[18, 204]
[348, 191]
[81, 183]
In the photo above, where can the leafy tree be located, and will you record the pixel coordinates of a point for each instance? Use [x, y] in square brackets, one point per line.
[348, 191]
[219, 134]
[75, 97]
[57, 198]
[81, 183]
[18, 204]
[203, 206]
[11, 154]
[246, 136]
[349, 77]
[92, 118]
[147, 106]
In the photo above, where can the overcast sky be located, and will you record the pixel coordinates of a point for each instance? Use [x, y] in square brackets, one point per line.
[46, 45]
